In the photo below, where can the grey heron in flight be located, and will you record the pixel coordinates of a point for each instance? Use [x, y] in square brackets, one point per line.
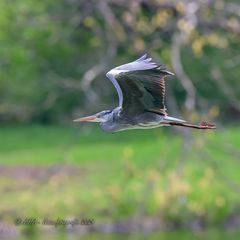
[141, 88]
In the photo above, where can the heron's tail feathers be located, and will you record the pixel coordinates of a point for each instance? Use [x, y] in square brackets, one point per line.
[168, 119]
[202, 125]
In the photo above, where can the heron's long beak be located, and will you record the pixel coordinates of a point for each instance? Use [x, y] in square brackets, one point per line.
[92, 118]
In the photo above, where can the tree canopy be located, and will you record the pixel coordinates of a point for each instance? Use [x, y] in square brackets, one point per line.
[54, 54]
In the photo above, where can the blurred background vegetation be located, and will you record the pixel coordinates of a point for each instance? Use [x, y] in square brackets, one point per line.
[53, 60]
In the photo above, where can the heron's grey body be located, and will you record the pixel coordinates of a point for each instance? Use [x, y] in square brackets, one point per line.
[141, 116]
[141, 88]
[147, 120]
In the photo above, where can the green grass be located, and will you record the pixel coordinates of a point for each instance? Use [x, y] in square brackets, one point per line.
[54, 145]
[113, 176]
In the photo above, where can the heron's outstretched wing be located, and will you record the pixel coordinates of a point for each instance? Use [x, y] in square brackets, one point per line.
[140, 85]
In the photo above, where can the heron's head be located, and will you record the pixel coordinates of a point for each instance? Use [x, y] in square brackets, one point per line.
[98, 117]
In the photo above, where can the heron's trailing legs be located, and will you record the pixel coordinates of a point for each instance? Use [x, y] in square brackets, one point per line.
[203, 125]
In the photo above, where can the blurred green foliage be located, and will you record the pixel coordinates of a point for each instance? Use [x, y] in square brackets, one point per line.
[53, 60]
[113, 177]
[54, 54]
